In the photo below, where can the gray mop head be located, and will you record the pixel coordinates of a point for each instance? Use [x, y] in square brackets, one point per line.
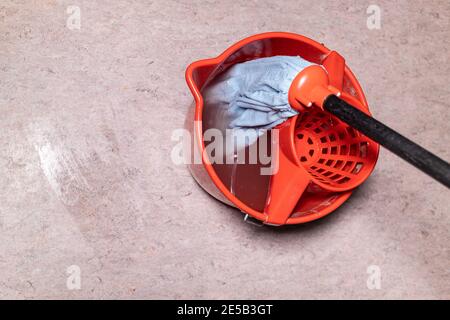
[253, 95]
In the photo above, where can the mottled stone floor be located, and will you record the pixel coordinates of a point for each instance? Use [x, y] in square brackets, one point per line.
[87, 181]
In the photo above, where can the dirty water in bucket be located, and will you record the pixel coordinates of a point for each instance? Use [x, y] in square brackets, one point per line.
[239, 167]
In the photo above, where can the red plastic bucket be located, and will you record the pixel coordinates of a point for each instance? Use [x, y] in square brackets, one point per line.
[300, 192]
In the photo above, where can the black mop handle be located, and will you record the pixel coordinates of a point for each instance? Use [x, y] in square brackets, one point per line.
[390, 139]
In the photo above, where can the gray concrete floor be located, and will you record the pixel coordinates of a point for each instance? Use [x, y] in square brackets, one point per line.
[86, 178]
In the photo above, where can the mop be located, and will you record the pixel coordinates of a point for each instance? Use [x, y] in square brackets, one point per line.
[250, 98]
[254, 95]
